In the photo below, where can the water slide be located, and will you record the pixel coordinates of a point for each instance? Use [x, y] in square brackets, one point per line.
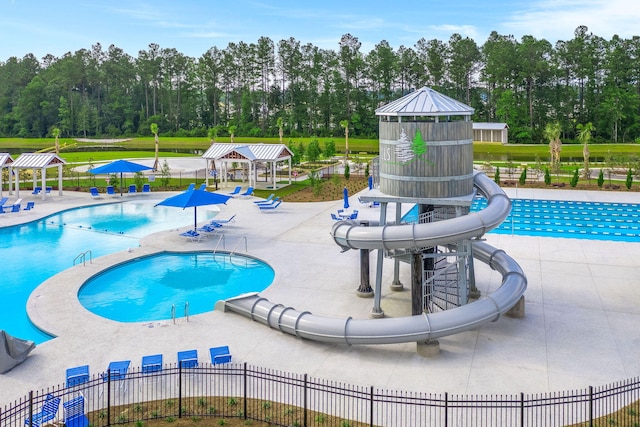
[423, 327]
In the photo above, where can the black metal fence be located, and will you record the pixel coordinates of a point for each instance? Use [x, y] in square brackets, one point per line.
[286, 399]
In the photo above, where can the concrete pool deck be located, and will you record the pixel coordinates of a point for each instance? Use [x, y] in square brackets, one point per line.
[580, 326]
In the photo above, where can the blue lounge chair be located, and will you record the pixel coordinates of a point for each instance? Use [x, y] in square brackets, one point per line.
[203, 186]
[30, 205]
[48, 190]
[354, 215]
[94, 193]
[133, 189]
[335, 217]
[220, 355]
[191, 186]
[269, 203]
[210, 228]
[146, 188]
[267, 200]
[151, 363]
[77, 375]
[2, 202]
[48, 412]
[36, 190]
[192, 235]
[248, 193]
[74, 415]
[231, 219]
[269, 208]
[110, 190]
[188, 359]
[236, 191]
[15, 206]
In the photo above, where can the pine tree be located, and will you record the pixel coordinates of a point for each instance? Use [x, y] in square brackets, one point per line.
[574, 179]
[547, 177]
[629, 180]
[600, 178]
[496, 177]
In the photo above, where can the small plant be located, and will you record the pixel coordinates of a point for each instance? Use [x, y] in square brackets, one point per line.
[170, 419]
[137, 408]
[574, 178]
[496, 177]
[239, 413]
[221, 422]
[632, 412]
[523, 177]
[629, 180]
[102, 414]
[195, 419]
[547, 177]
[347, 171]
[169, 403]
[296, 424]
[212, 410]
[183, 410]
[139, 423]
[345, 423]
[232, 401]
[248, 422]
[288, 411]
[122, 418]
[202, 401]
[154, 414]
[320, 419]
[266, 405]
[600, 179]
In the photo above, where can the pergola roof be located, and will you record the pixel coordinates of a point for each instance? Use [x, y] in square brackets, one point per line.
[425, 102]
[5, 159]
[490, 126]
[37, 161]
[250, 152]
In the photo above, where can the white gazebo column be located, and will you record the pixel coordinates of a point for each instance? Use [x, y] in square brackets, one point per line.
[44, 182]
[16, 185]
[60, 180]
[273, 173]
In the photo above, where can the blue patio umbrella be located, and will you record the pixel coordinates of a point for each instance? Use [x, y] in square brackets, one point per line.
[193, 199]
[119, 166]
[345, 192]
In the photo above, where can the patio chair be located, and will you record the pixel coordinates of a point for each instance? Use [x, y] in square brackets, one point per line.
[248, 193]
[188, 359]
[47, 412]
[151, 363]
[30, 205]
[74, 415]
[77, 375]
[94, 193]
[220, 355]
[209, 228]
[15, 206]
[203, 186]
[270, 208]
[269, 203]
[231, 219]
[133, 189]
[110, 190]
[192, 235]
[354, 215]
[36, 190]
[48, 190]
[236, 190]
[335, 217]
[3, 201]
[191, 186]
[267, 200]
[146, 188]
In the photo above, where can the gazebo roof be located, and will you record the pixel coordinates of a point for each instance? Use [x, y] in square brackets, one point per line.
[251, 152]
[424, 102]
[5, 159]
[37, 161]
[490, 126]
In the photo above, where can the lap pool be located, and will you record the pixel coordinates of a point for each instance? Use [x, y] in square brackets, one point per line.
[33, 252]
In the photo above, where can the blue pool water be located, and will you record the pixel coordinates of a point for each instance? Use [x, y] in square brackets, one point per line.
[33, 252]
[156, 283]
[569, 219]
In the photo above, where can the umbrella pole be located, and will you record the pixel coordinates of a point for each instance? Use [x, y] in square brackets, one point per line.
[120, 184]
[195, 218]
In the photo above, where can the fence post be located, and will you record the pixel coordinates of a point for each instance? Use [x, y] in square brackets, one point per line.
[521, 409]
[244, 391]
[590, 406]
[30, 408]
[371, 408]
[304, 401]
[108, 396]
[446, 409]
[179, 389]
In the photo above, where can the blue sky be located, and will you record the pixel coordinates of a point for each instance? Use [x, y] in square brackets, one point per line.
[193, 26]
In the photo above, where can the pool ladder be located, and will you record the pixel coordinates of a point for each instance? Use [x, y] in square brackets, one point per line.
[83, 257]
[222, 240]
[186, 312]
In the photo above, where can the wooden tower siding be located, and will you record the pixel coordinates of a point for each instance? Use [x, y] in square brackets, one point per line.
[448, 169]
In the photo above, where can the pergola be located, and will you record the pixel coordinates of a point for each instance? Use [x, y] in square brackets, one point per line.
[5, 162]
[35, 161]
[225, 154]
[491, 132]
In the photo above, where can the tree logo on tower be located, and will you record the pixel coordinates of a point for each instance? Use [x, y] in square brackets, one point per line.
[408, 151]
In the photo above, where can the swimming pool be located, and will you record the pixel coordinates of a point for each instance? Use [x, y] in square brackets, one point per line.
[157, 284]
[35, 251]
[569, 219]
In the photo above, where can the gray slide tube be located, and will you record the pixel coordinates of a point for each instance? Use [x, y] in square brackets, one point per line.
[422, 327]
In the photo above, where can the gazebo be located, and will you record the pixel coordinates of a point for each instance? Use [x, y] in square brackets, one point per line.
[491, 132]
[224, 154]
[35, 161]
[5, 162]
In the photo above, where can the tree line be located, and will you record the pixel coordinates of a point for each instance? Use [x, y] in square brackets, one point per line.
[265, 88]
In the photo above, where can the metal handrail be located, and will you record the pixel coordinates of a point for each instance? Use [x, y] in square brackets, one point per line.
[246, 247]
[224, 243]
[83, 257]
[186, 310]
[173, 313]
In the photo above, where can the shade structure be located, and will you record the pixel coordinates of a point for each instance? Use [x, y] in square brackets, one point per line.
[193, 199]
[345, 193]
[121, 167]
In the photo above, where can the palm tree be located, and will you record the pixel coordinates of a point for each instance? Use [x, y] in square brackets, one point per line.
[154, 130]
[56, 133]
[552, 133]
[345, 125]
[280, 129]
[213, 132]
[232, 132]
[584, 136]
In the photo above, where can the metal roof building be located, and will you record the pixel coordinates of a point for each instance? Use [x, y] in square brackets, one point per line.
[424, 102]
[35, 161]
[491, 132]
[251, 154]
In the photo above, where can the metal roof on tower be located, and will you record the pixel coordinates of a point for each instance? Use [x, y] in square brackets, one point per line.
[425, 102]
